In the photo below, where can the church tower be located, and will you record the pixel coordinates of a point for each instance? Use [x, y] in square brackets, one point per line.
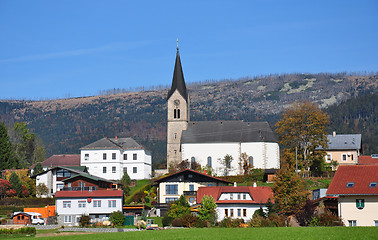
[178, 114]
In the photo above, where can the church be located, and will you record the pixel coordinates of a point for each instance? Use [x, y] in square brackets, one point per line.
[208, 142]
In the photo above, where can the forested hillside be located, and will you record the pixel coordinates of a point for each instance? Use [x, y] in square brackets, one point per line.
[65, 125]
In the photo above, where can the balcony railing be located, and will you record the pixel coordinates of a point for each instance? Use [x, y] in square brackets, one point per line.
[79, 188]
[190, 193]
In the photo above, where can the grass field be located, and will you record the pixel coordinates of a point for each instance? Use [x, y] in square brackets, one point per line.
[302, 233]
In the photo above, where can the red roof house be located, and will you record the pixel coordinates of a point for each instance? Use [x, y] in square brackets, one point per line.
[357, 191]
[368, 160]
[66, 160]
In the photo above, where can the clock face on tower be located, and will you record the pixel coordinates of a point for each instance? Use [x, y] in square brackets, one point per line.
[176, 102]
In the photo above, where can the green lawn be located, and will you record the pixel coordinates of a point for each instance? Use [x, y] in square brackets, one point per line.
[302, 233]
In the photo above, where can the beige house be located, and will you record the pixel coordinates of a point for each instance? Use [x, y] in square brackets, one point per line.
[343, 149]
[357, 192]
[186, 183]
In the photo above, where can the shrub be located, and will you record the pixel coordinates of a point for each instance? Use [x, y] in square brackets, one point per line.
[273, 220]
[188, 220]
[167, 220]
[326, 219]
[117, 218]
[84, 221]
[177, 222]
[201, 224]
[24, 230]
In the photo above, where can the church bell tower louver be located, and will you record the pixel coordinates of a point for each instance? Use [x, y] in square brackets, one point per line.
[178, 113]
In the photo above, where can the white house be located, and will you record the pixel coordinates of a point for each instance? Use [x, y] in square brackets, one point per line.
[357, 192]
[208, 142]
[53, 178]
[99, 204]
[237, 201]
[109, 158]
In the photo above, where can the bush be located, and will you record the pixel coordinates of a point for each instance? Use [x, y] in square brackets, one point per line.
[167, 220]
[177, 222]
[117, 218]
[24, 230]
[273, 220]
[231, 223]
[84, 221]
[325, 219]
[188, 220]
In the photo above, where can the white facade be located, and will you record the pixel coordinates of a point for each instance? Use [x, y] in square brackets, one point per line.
[50, 179]
[243, 211]
[265, 154]
[351, 215]
[69, 210]
[111, 163]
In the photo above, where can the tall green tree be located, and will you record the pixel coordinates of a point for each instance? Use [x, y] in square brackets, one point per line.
[23, 143]
[289, 191]
[7, 159]
[301, 130]
[16, 183]
[37, 169]
[125, 181]
[179, 208]
[207, 211]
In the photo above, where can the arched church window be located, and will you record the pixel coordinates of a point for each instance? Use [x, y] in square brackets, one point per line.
[193, 159]
[209, 161]
[175, 113]
[178, 113]
[251, 160]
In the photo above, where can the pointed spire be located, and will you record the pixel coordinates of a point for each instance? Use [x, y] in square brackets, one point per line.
[178, 81]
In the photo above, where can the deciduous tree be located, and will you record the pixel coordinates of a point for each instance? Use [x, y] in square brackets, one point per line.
[245, 166]
[179, 208]
[226, 164]
[303, 128]
[207, 211]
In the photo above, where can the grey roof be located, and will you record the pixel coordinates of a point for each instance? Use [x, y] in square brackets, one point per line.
[344, 141]
[178, 81]
[114, 143]
[227, 131]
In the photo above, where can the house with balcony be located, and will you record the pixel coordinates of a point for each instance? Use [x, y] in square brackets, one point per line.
[54, 177]
[97, 204]
[185, 182]
[356, 190]
[109, 158]
[237, 201]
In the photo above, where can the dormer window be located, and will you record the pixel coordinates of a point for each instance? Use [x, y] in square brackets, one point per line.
[350, 184]
[373, 184]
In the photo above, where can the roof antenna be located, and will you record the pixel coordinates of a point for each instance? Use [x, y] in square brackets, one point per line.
[177, 45]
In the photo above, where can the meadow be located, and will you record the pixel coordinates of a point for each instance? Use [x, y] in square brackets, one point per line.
[302, 233]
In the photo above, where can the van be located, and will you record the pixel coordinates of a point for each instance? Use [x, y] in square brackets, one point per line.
[36, 218]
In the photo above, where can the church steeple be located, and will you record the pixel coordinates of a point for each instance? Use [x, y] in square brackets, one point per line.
[178, 82]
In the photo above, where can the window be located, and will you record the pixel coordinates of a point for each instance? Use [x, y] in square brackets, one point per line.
[97, 203]
[67, 219]
[226, 212]
[135, 170]
[344, 157]
[239, 212]
[192, 159]
[191, 187]
[178, 113]
[209, 161]
[329, 157]
[191, 200]
[66, 204]
[231, 196]
[104, 170]
[244, 212]
[376, 223]
[239, 196]
[174, 113]
[114, 156]
[244, 196]
[373, 184]
[134, 156]
[171, 189]
[81, 184]
[350, 184]
[251, 160]
[86, 157]
[59, 186]
[114, 169]
[210, 185]
[112, 203]
[81, 204]
[360, 203]
[352, 223]
[125, 156]
[63, 173]
[167, 200]
[231, 212]
[104, 156]
[175, 136]
[125, 170]
[352, 157]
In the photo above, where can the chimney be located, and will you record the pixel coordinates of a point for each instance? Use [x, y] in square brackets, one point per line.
[116, 138]
[254, 184]
[334, 134]
[235, 185]
[205, 171]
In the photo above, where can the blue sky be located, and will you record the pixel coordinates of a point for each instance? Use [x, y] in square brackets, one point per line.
[55, 49]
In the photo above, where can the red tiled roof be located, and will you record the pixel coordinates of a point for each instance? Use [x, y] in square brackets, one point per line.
[360, 175]
[367, 160]
[190, 170]
[258, 194]
[96, 193]
[60, 160]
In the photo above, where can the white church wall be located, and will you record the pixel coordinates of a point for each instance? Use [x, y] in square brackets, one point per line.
[265, 154]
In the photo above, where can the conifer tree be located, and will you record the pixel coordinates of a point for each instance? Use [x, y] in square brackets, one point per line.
[16, 183]
[7, 159]
[37, 169]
